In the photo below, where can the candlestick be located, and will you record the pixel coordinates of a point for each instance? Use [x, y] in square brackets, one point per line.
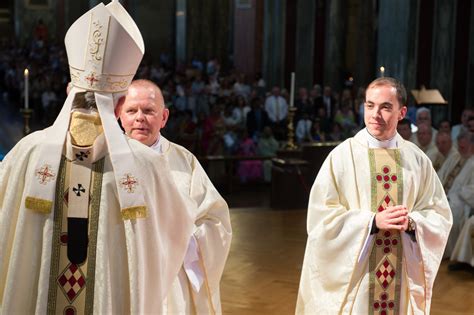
[290, 144]
[26, 88]
[292, 91]
[382, 71]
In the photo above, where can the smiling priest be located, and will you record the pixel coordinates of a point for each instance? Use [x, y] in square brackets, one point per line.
[378, 220]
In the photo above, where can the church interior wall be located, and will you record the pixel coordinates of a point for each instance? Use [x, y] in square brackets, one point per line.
[420, 42]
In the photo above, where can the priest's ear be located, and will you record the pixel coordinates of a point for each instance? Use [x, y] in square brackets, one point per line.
[402, 113]
[118, 107]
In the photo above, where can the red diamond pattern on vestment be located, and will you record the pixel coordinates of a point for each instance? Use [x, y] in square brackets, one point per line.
[386, 201]
[385, 273]
[72, 281]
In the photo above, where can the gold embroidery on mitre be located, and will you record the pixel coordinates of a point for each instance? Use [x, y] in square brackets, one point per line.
[45, 174]
[96, 41]
[138, 212]
[103, 82]
[38, 205]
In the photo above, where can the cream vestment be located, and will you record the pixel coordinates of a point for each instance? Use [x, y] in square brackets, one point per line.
[196, 289]
[347, 269]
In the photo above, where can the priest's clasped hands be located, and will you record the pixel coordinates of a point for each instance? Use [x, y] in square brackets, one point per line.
[392, 218]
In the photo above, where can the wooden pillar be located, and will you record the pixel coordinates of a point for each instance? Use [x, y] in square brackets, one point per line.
[247, 37]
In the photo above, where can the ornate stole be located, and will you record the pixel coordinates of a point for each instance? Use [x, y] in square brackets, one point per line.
[385, 262]
[448, 182]
[438, 161]
[71, 286]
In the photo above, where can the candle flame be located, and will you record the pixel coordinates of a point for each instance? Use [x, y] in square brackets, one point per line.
[26, 72]
[382, 69]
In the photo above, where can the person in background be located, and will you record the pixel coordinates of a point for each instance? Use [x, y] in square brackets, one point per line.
[404, 129]
[424, 140]
[457, 177]
[277, 109]
[267, 146]
[445, 147]
[463, 126]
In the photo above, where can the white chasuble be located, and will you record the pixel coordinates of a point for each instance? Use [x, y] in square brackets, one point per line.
[196, 288]
[135, 261]
[346, 270]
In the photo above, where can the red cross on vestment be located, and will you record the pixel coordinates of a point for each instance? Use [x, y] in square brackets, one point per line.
[129, 182]
[45, 174]
[91, 78]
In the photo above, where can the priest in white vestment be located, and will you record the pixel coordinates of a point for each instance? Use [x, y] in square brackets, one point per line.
[90, 221]
[378, 220]
[423, 116]
[196, 288]
[445, 149]
[425, 141]
[457, 177]
[463, 251]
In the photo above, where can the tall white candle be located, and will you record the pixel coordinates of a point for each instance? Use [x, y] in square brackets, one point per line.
[382, 71]
[292, 91]
[26, 89]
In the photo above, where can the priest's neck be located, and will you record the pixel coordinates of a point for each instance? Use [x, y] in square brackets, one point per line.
[85, 127]
[381, 140]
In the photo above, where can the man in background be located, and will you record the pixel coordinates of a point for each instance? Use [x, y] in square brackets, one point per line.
[445, 149]
[404, 129]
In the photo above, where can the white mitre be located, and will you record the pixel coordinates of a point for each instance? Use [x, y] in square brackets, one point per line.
[104, 48]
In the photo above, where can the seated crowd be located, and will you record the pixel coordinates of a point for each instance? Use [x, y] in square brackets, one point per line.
[451, 150]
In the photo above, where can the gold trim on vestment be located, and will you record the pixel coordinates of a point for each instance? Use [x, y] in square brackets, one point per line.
[94, 212]
[96, 189]
[55, 246]
[39, 205]
[138, 212]
[385, 262]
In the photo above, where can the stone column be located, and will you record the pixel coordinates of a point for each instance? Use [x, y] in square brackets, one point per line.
[156, 21]
[274, 42]
[335, 43]
[208, 25]
[444, 28]
[396, 35]
[365, 43]
[181, 31]
[305, 24]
